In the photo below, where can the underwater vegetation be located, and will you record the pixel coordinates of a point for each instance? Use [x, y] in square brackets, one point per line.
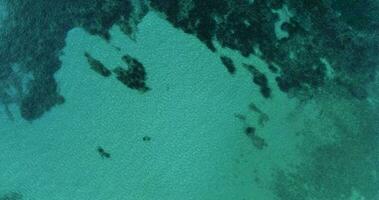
[328, 29]
[345, 33]
[317, 29]
[34, 42]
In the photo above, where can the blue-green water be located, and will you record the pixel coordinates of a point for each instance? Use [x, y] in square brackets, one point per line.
[187, 136]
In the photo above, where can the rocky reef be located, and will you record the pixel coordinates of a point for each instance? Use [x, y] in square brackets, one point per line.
[260, 80]
[228, 63]
[135, 76]
[34, 42]
[97, 66]
[258, 141]
[317, 29]
[321, 36]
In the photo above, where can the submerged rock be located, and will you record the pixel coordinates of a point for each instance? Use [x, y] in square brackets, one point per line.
[103, 153]
[258, 142]
[97, 66]
[228, 62]
[259, 79]
[135, 76]
[146, 138]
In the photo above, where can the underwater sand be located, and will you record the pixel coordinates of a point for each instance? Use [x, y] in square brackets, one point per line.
[198, 149]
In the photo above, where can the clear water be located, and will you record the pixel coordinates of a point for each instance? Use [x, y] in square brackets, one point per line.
[185, 138]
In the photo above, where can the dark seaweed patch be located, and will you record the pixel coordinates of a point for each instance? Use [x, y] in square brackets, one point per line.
[97, 66]
[228, 63]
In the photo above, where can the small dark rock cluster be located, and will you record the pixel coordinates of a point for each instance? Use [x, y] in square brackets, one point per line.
[135, 76]
[228, 63]
[97, 66]
[102, 152]
[258, 141]
[146, 138]
[260, 80]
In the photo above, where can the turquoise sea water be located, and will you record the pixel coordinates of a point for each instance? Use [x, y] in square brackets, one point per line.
[186, 137]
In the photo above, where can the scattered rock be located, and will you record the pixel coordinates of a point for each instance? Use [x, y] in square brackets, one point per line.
[135, 76]
[259, 79]
[258, 142]
[146, 138]
[103, 153]
[250, 130]
[97, 66]
[263, 117]
[228, 62]
[240, 116]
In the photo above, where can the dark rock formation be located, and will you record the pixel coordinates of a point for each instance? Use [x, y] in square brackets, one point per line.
[34, 42]
[97, 66]
[146, 138]
[135, 76]
[342, 33]
[102, 152]
[258, 142]
[228, 63]
[259, 79]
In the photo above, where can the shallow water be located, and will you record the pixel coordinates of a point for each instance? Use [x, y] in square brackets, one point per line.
[186, 136]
